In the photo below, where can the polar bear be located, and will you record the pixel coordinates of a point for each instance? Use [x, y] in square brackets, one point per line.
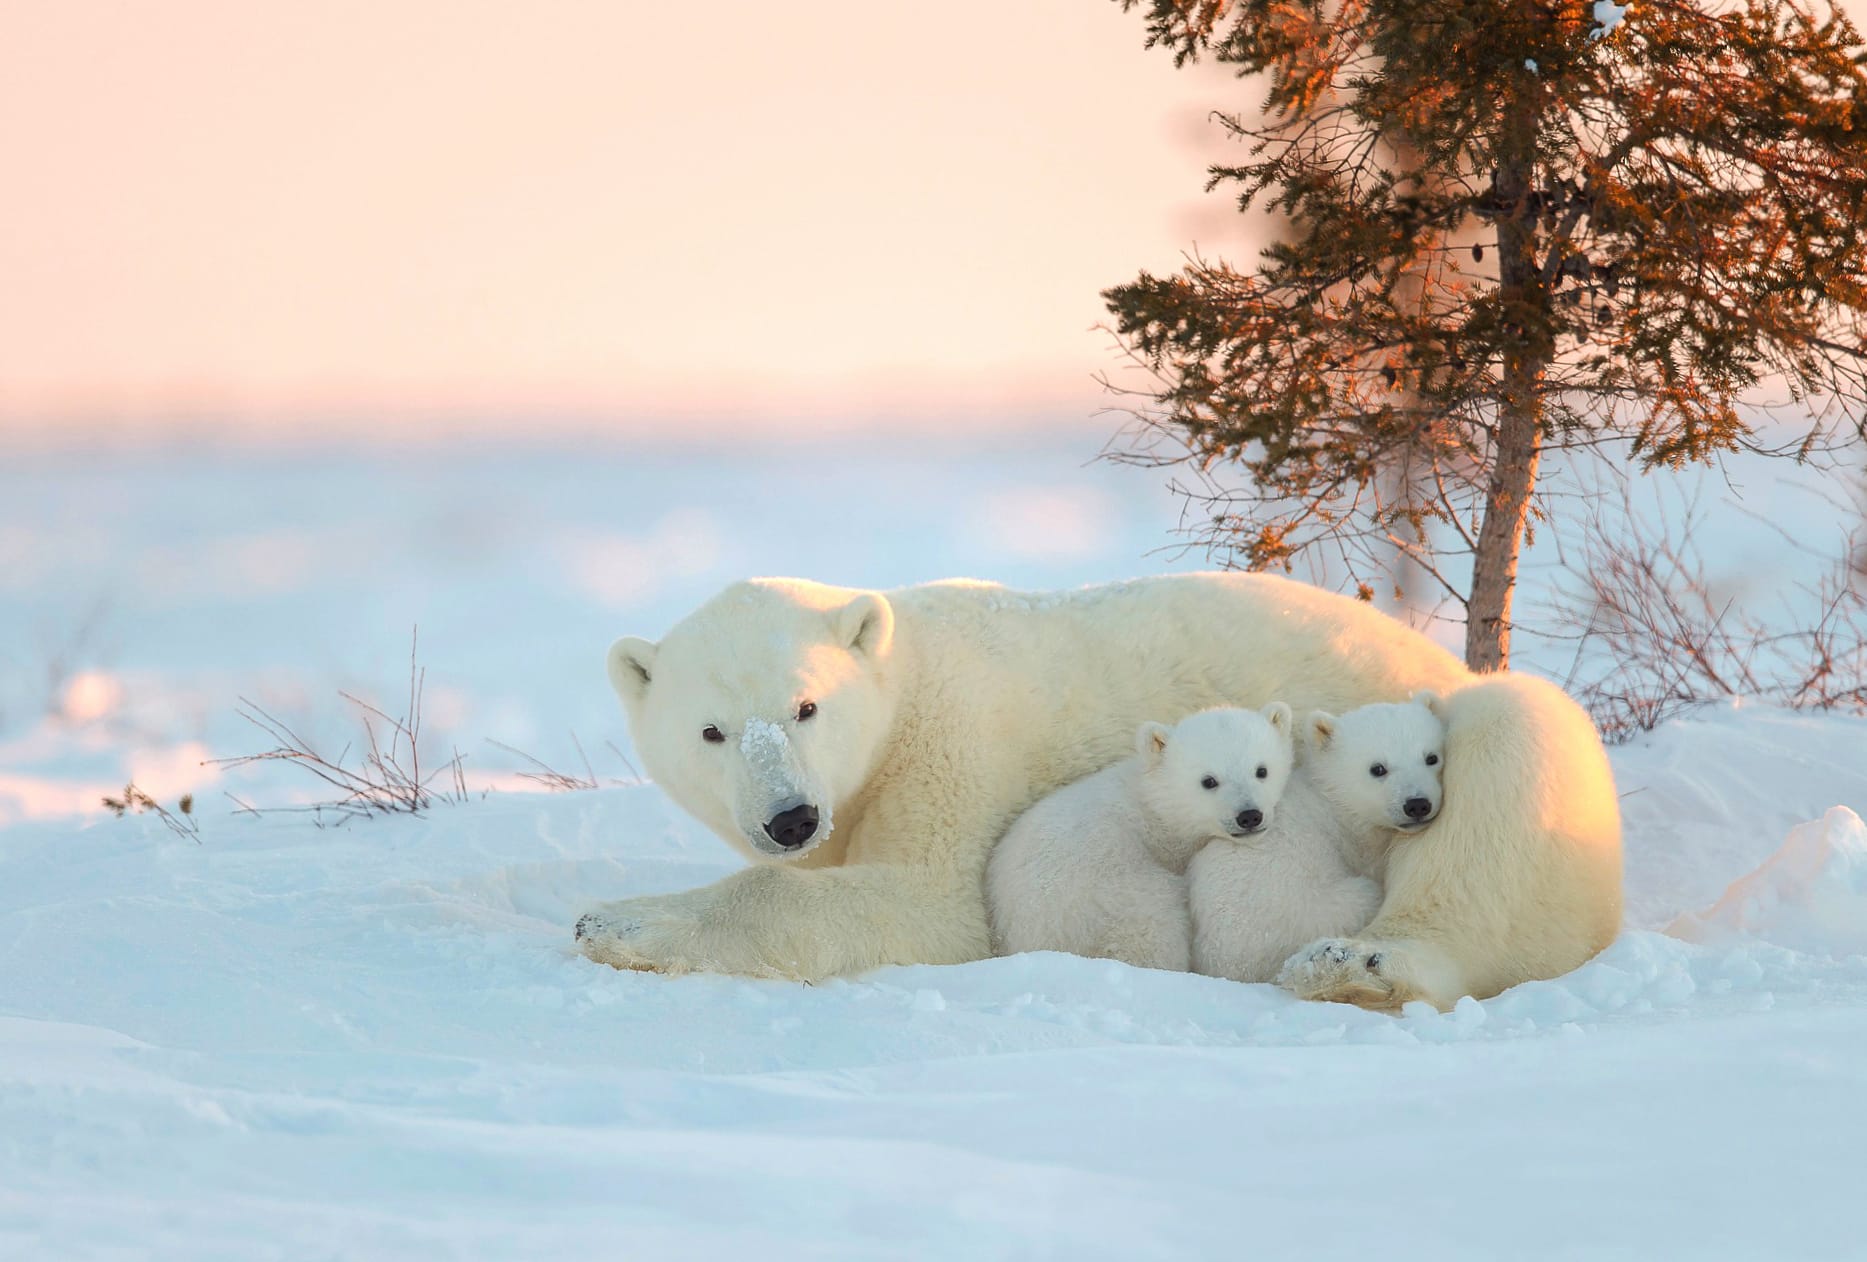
[1364, 778]
[917, 724]
[1507, 885]
[1098, 868]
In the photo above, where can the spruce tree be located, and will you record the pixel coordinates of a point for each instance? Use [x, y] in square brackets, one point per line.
[1511, 226]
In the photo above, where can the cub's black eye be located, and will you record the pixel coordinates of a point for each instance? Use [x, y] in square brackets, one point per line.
[712, 735]
[1264, 773]
[805, 710]
[1378, 770]
[1432, 760]
[1208, 783]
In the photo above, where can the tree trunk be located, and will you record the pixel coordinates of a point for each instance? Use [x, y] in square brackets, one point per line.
[1500, 538]
[1397, 475]
[1524, 302]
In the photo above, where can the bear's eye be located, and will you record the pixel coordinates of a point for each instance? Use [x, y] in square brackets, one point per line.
[712, 735]
[805, 709]
[1264, 773]
[1378, 770]
[1208, 783]
[1432, 760]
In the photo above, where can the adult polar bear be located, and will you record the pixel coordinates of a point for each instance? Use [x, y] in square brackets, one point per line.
[867, 749]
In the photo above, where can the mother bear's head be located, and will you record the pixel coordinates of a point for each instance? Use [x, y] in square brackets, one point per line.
[764, 709]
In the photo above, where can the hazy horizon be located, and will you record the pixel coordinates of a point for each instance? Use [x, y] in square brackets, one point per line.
[433, 215]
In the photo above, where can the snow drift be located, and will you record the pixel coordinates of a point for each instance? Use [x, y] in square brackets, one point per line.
[1811, 895]
[374, 1041]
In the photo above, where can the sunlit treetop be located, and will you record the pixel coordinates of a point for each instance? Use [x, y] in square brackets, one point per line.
[1512, 226]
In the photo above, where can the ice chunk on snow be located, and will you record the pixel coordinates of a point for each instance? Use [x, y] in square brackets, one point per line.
[1811, 895]
[1608, 15]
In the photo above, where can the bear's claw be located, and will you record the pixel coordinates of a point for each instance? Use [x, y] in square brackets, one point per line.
[595, 924]
[1321, 953]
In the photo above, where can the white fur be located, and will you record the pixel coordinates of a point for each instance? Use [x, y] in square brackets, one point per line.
[1314, 872]
[1519, 878]
[1098, 867]
[948, 709]
[1369, 764]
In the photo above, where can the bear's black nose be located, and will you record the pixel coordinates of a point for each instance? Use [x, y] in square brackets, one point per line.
[1417, 808]
[792, 828]
[1249, 820]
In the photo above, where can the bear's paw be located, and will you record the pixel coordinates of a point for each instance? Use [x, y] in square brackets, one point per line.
[1343, 970]
[642, 934]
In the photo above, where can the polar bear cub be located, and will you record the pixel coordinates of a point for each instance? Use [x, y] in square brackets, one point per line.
[1098, 867]
[1364, 779]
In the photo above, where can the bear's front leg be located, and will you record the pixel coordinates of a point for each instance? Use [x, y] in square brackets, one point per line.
[1369, 973]
[802, 924]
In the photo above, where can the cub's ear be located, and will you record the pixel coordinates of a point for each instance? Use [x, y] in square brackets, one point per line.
[867, 624]
[1150, 741]
[631, 665]
[1279, 715]
[1321, 728]
[1432, 701]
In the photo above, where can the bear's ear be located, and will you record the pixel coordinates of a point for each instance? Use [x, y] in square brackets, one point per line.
[1321, 728]
[1432, 701]
[1279, 715]
[1150, 741]
[867, 624]
[631, 663]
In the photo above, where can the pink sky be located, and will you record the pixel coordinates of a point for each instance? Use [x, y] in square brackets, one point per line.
[238, 209]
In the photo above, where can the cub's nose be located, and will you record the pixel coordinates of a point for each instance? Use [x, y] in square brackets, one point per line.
[1251, 820]
[1417, 808]
[792, 828]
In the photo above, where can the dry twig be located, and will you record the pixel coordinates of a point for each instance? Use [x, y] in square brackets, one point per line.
[134, 801]
[555, 781]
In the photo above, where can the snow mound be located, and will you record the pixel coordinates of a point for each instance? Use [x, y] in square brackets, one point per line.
[1811, 895]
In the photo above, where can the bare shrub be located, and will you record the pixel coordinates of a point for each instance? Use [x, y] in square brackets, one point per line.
[388, 777]
[555, 781]
[1668, 641]
[133, 801]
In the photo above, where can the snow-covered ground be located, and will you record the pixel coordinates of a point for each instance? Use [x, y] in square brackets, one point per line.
[282, 1041]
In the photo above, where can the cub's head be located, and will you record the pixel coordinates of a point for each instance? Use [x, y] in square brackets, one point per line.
[1382, 763]
[763, 710]
[1217, 773]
